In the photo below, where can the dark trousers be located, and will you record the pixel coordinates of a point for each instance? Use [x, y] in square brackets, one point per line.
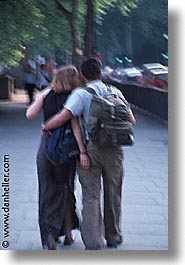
[57, 203]
[30, 90]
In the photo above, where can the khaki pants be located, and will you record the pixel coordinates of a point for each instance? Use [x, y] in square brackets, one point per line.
[106, 162]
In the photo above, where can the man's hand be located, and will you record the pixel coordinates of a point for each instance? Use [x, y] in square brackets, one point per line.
[84, 160]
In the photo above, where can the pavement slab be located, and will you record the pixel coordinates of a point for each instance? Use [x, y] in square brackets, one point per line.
[145, 189]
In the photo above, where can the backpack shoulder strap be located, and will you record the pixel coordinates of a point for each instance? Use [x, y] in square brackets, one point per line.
[109, 88]
[91, 91]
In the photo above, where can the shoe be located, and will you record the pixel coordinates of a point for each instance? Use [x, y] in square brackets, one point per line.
[111, 245]
[51, 243]
[69, 240]
[115, 245]
[44, 247]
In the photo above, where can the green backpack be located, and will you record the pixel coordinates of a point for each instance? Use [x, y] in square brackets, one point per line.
[108, 122]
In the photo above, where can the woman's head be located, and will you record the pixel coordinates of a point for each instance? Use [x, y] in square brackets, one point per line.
[66, 79]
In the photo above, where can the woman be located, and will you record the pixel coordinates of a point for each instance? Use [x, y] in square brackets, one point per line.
[57, 214]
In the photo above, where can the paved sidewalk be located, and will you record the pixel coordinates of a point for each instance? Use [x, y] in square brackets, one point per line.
[145, 191]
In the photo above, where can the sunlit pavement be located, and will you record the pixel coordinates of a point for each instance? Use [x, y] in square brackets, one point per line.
[145, 191]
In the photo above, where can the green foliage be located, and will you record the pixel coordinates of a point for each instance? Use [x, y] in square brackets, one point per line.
[16, 28]
[56, 31]
[30, 27]
[126, 6]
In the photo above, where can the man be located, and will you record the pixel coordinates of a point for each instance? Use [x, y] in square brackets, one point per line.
[30, 83]
[106, 163]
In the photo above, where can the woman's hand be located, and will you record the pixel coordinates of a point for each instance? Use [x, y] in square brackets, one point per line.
[84, 160]
[37, 105]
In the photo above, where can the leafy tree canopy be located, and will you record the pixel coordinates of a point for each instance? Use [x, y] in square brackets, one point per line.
[29, 27]
[17, 27]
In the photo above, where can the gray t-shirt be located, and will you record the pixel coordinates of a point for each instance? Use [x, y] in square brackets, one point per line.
[80, 100]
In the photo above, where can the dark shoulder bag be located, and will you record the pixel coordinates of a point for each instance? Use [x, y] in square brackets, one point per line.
[61, 146]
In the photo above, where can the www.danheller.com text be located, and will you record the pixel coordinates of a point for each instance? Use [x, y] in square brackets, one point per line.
[5, 202]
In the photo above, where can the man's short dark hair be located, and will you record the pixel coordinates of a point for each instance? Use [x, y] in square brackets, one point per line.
[91, 69]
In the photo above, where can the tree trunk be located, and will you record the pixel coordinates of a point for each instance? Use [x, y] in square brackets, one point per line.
[72, 19]
[89, 38]
[76, 57]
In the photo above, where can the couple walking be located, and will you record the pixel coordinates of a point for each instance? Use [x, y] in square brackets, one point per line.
[57, 212]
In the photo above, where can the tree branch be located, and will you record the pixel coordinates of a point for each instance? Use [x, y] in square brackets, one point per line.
[65, 12]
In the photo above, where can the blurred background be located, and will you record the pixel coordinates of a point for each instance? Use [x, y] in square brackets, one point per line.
[130, 38]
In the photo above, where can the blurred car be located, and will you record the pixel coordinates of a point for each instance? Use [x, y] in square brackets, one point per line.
[107, 73]
[118, 74]
[132, 74]
[151, 66]
[159, 78]
[126, 75]
[156, 77]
